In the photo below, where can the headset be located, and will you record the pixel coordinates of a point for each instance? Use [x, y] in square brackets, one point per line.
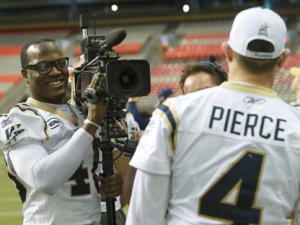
[213, 65]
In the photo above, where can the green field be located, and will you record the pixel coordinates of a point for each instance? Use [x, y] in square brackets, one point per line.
[10, 203]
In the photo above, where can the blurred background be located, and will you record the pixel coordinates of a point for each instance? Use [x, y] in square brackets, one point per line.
[166, 33]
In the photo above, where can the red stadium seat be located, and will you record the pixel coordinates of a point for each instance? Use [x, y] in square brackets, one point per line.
[10, 50]
[205, 36]
[1, 94]
[129, 48]
[15, 79]
[156, 87]
[185, 52]
[167, 69]
[122, 49]
[291, 61]
[283, 80]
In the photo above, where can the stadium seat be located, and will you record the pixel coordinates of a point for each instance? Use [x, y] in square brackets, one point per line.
[156, 87]
[291, 61]
[167, 69]
[14, 79]
[122, 49]
[206, 36]
[129, 48]
[10, 50]
[283, 80]
[199, 52]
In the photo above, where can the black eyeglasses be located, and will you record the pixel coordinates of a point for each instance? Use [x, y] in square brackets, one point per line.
[45, 67]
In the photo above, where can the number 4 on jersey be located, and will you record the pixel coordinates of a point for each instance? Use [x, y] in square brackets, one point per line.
[232, 197]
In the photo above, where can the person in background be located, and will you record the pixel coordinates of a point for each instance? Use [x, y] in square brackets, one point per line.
[295, 86]
[198, 76]
[208, 157]
[47, 144]
[133, 109]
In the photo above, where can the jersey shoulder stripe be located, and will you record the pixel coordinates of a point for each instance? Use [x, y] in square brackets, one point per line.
[168, 113]
[18, 126]
[26, 108]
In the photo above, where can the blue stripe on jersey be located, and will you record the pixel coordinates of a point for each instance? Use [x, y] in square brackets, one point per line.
[20, 187]
[171, 120]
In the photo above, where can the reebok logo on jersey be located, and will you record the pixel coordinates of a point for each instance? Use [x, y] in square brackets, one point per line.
[13, 132]
[251, 100]
[8, 120]
[54, 123]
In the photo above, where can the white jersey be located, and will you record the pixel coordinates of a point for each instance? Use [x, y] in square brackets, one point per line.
[231, 154]
[77, 201]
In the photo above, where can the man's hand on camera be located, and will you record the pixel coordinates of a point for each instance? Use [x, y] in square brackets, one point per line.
[96, 111]
[111, 185]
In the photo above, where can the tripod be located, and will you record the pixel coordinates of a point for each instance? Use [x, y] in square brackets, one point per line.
[106, 148]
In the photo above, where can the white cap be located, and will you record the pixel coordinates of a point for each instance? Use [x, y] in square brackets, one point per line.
[258, 24]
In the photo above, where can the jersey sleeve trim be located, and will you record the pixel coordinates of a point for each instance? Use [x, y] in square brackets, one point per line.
[168, 113]
[23, 107]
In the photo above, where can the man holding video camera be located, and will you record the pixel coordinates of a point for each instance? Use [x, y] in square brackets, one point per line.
[120, 162]
[48, 145]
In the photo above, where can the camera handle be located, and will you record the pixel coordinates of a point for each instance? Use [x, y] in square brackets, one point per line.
[106, 148]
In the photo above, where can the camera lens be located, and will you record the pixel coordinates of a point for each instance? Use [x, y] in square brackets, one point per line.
[126, 79]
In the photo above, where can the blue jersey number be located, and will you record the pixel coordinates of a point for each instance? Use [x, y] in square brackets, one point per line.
[232, 197]
[81, 178]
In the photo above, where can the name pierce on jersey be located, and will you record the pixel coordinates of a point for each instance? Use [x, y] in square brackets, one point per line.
[247, 124]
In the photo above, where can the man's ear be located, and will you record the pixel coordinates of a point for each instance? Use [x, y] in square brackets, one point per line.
[283, 57]
[228, 51]
[25, 75]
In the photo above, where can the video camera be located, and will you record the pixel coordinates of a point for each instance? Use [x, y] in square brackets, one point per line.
[120, 79]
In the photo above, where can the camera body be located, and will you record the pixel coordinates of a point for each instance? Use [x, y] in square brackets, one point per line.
[120, 79]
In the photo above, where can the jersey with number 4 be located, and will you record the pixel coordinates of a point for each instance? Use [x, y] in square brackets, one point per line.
[77, 201]
[232, 152]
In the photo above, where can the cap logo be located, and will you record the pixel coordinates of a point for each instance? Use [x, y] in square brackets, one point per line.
[263, 29]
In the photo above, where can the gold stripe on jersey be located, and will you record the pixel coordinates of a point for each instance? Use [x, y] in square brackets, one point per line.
[53, 110]
[28, 109]
[250, 89]
[168, 113]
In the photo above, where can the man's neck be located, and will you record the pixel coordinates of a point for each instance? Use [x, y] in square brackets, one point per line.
[239, 75]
